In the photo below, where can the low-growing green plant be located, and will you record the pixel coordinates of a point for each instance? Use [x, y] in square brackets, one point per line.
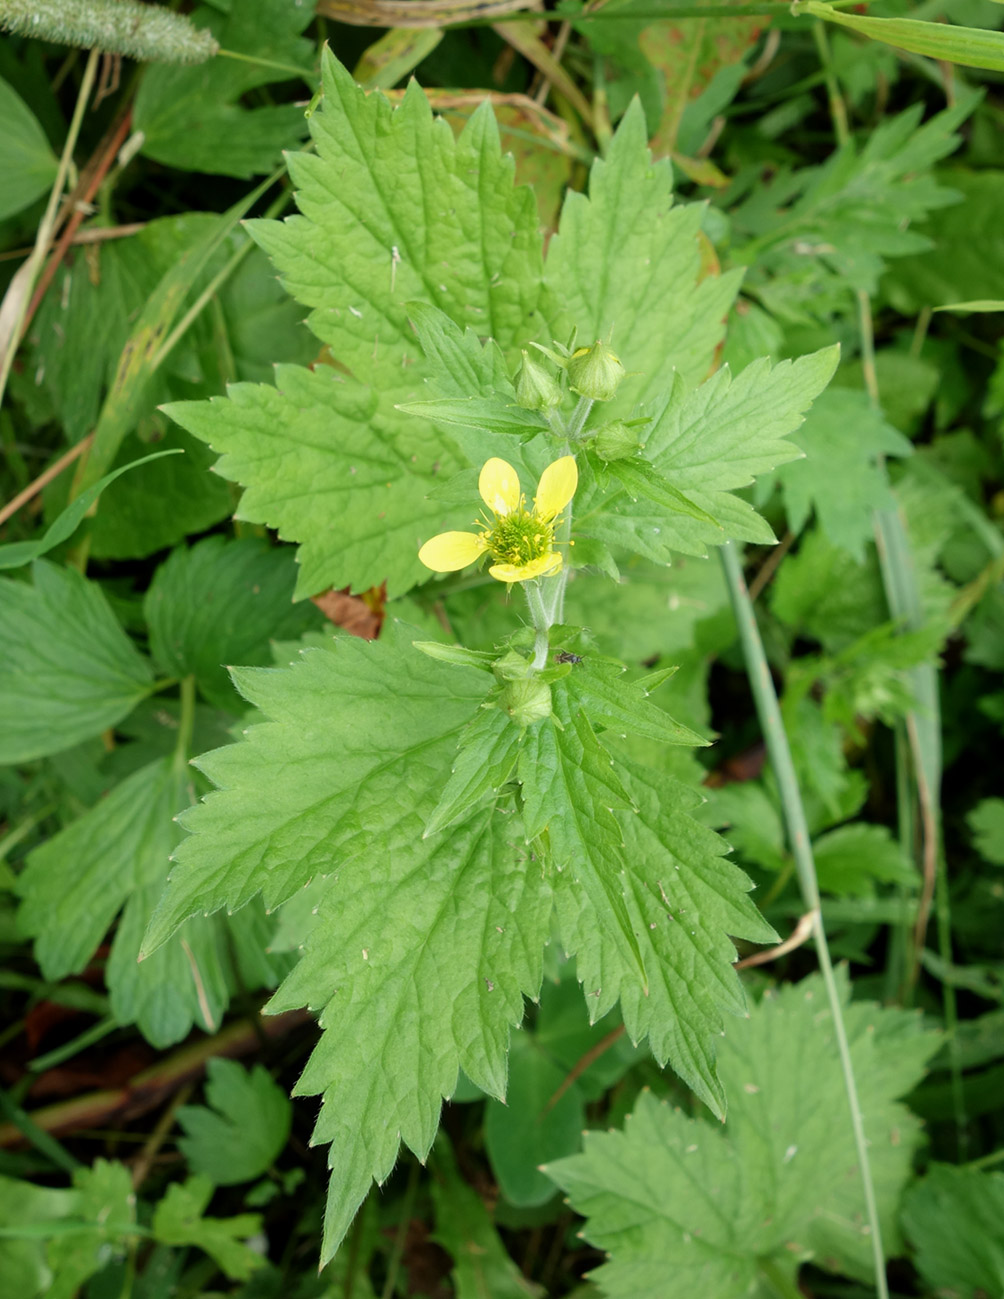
[525, 451]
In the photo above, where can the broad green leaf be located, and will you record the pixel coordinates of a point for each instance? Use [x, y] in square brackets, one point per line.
[116, 856]
[178, 1220]
[161, 504]
[973, 47]
[141, 358]
[326, 458]
[779, 1183]
[22, 1260]
[422, 950]
[106, 1201]
[954, 1218]
[540, 1120]
[16, 553]
[842, 476]
[67, 669]
[192, 118]
[551, 1080]
[626, 265]
[482, 1269]
[986, 821]
[222, 602]
[27, 162]
[707, 443]
[243, 1128]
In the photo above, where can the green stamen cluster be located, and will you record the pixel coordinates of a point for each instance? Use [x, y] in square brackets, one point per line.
[518, 538]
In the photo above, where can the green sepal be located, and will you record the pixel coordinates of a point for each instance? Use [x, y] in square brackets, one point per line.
[458, 654]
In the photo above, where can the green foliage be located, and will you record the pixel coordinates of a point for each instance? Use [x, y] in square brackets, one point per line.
[104, 1199]
[987, 824]
[67, 669]
[26, 159]
[780, 1181]
[481, 1265]
[952, 1217]
[245, 1126]
[192, 117]
[179, 1220]
[843, 477]
[220, 603]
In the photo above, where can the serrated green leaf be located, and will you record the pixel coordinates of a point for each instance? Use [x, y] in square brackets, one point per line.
[105, 1199]
[486, 758]
[16, 553]
[67, 669]
[953, 1217]
[178, 1220]
[422, 949]
[191, 117]
[116, 856]
[570, 790]
[624, 705]
[852, 859]
[626, 263]
[707, 443]
[27, 162]
[238, 1135]
[842, 476]
[780, 1182]
[222, 602]
[986, 821]
[323, 447]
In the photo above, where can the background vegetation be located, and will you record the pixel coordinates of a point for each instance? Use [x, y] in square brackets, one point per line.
[853, 175]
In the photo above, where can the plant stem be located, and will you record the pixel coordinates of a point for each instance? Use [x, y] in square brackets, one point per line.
[540, 617]
[186, 726]
[394, 1263]
[769, 713]
[33, 266]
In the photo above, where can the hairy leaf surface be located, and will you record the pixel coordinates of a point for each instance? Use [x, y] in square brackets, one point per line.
[67, 669]
[683, 1208]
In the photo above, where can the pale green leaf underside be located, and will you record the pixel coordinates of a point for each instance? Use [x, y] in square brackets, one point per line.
[683, 1208]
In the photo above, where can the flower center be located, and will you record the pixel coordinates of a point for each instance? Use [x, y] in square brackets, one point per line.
[519, 537]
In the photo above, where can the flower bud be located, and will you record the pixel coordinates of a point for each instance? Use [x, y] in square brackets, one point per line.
[526, 701]
[536, 389]
[616, 441]
[595, 372]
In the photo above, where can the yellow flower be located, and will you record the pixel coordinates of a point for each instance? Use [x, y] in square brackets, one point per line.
[520, 541]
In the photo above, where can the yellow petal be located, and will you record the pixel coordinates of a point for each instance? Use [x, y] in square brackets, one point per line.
[545, 566]
[451, 550]
[556, 487]
[499, 486]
